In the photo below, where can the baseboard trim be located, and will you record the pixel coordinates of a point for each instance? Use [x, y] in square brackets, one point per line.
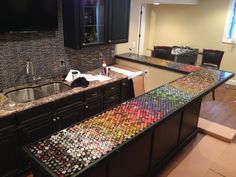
[231, 82]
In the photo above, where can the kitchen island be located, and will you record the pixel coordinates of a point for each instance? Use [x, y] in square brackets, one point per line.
[132, 139]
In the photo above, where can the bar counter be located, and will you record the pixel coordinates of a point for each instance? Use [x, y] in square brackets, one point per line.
[159, 63]
[132, 139]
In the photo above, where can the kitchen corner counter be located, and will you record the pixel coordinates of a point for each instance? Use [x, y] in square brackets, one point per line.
[6, 110]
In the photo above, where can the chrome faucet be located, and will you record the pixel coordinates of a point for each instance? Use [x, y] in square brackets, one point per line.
[30, 71]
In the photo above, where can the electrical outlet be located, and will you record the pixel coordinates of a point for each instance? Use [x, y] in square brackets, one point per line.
[146, 73]
[62, 63]
[100, 55]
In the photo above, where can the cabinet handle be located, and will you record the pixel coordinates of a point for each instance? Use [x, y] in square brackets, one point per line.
[112, 98]
[54, 120]
[95, 94]
[87, 107]
[109, 41]
[112, 88]
[124, 84]
[58, 118]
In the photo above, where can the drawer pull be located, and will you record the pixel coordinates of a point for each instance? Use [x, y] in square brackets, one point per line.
[54, 120]
[86, 106]
[95, 94]
[58, 118]
[112, 98]
[124, 84]
[112, 88]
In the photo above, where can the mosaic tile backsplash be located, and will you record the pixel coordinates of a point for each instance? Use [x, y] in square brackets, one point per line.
[45, 50]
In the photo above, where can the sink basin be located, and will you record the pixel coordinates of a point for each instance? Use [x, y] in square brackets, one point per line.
[29, 94]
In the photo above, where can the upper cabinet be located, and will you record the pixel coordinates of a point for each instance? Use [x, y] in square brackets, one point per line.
[93, 22]
[118, 23]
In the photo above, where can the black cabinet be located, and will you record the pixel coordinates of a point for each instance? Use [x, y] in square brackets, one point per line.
[93, 107]
[190, 119]
[71, 23]
[162, 145]
[68, 117]
[132, 161]
[95, 22]
[127, 90]
[10, 160]
[92, 22]
[67, 111]
[112, 95]
[119, 12]
[38, 122]
[34, 124]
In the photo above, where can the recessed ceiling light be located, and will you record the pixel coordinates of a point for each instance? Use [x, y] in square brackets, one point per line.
[156, 3]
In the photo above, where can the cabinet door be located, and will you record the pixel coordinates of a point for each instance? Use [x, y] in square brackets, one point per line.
[118, 26]
[127, 90]
[93, 107]
[71, 23]
[92, 22]
[190, 119]
[39, 127]
[162, 146]
[69, 117]
[9, 152]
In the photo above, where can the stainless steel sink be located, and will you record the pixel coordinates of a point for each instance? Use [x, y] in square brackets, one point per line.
[31, 93]
[53, 88]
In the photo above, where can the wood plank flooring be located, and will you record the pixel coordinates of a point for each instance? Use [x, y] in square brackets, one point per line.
[222, 110]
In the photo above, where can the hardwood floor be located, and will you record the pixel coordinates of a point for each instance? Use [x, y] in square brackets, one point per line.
[223, 109]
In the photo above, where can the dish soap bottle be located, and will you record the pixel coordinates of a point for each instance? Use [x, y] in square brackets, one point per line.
[104, 68]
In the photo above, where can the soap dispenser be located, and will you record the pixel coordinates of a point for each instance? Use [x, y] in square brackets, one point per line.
[104, 68]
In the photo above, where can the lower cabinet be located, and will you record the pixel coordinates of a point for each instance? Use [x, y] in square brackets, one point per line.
[36, 123]
[93, 106]
[165, 138]
[68, 117]
[190, 119]
[132, 161]
[10, 159]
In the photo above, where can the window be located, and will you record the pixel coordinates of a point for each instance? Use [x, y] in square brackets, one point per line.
[230, 26]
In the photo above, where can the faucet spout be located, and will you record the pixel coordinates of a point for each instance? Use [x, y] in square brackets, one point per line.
[30, 71]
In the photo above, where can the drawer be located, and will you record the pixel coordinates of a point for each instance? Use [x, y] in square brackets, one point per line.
[7, 121]
[68, 102]
[93, 94]
[113, 87]
[34, 114]
[110, 101]
[112, 98]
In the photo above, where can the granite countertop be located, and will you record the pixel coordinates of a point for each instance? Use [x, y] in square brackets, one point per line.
[89, 141]
[6, 110]
[160, 63]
